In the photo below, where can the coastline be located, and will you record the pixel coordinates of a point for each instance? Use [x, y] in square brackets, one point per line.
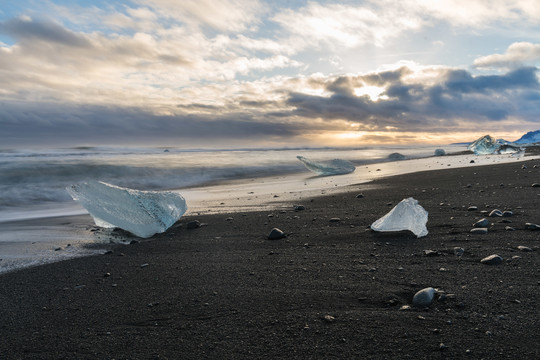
[328, 290]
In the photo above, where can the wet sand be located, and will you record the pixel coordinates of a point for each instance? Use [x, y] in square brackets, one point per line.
[330, 289]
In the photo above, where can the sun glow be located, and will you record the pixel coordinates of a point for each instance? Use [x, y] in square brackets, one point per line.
[374, 92]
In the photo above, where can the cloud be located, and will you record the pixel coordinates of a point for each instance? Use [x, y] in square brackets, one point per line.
[517, 55]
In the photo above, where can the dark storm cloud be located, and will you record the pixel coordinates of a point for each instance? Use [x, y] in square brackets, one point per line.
[47, 124]
[30, 30]
[456, 94]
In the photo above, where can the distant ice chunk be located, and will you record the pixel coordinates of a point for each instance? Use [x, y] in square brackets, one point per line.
[407, 215]
[487, 145]
[440, 152]
[332, 167]
[143, 213]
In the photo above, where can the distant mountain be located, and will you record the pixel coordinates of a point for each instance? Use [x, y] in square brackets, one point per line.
[529, 138]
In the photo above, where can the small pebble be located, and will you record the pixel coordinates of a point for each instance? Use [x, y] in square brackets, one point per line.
[359, 196]
[276, 234]
[524, 248]
[299, 208]
[507, 213]
[423, 297]
[509, 228]
[458, 251]
[536, 185]
[481, 223]
[531, 226]
[495, 212]
[472, 208]
[492, 260]
[334, 220]
[329, 318]
[193, 224]
[479, 231]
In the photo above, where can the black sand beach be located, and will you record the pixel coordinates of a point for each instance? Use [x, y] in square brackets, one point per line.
[332, 289]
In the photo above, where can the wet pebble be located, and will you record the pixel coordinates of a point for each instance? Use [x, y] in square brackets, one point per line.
[481, 223]
[492, 260]
[359, 196]
[495, 212]
[458, 251]
[507, 213]
[423, 297]
[536, 185]
[299, 208]
[335, 220]
[276, 234]
[531, 226]
[472, 208]
[479, 231]
[524, 248]
[509, 228]
[193, 224]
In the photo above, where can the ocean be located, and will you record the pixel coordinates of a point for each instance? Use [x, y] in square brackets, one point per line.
[38, 218]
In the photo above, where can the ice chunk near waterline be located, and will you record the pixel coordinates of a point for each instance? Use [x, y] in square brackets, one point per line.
[332, 167]
[407, 215]
[440, 152]
[143, 213]
[487, 145]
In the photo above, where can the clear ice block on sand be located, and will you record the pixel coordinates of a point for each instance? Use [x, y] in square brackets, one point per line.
[332, 167]
[487, 145]
[142, 213]
[407, 215]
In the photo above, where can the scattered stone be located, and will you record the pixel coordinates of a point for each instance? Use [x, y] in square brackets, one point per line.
[524, 248]
[531, 226]
[276, 234]
[458, 251]
[472, 208]
[481, 223]
[299, 208]
[405, 308]
[144, 265]
[472, 161]
[193, 224]
[329, 318]
[509, 228]
[359, 196]
[442, 347]
[431, 253]
[536, 185]
[479, 231]
[424, 297]
[507, 213]
[492, 260]
[106, 274]
[229, 219]
[334, 220]
[495, 212]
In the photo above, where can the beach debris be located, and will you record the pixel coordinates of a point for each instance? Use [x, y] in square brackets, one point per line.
[531, 226]
[440, 152]
[396, 156]
[481, 223]
[332, 167]
[479, 231]
[276, 234]
[142, 213]
[299, 208]
[407, 215]
[524, 248]
[492, 260]
[487, 145]
[472, 208]
[424, 297]
[193, 224]
[495, 212]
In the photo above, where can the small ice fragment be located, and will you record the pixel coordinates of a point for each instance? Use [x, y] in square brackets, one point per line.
[407, 215]
[143, 213]
[396, 156]
[332, 167]
[440, 152]
[487, 145]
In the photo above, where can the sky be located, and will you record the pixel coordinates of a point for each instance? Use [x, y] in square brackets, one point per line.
[254, 73]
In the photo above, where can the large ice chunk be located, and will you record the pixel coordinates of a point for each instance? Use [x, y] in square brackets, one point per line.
[407, 215]
[332, 167]
[487, 145]
[143, 213]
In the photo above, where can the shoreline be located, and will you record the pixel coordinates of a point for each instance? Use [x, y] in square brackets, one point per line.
[330, 289]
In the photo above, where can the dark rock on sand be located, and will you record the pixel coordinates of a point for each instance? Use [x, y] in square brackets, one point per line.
[531, 226]
[492, 260]
[424, 297]
[536, 185]
[299, 208]
[276, 234]
[481, 223]
[472, 208]
[193, 224]
[359, 196]
[524, 248]
[495, 212]
[458, 251]
[479, 231]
